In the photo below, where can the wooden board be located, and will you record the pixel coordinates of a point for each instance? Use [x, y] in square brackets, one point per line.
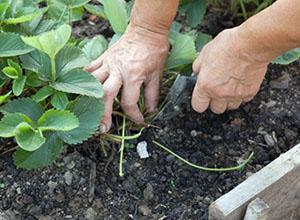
[277, 184]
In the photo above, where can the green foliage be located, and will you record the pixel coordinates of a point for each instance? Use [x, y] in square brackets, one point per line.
[95, 47]
[78, 82]
[97, 10]
[116, 13]
[194, 10]
[89, 119]
[11, 45]
[28, 138]
[41, 157]
[183, 52]
[50, 42]
[66, 10]
[288, 57]
[39, 64]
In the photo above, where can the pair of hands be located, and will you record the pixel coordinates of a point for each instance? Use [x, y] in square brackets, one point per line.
[228, 75]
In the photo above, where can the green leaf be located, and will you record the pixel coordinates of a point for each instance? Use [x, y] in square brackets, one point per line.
[15, 65]
[97, 10]
[70, 58]
[174, 31]
[38, 26]
[3, 8]
[183, 52]
[288, 57]
[65, 10]
[18, 85]
[28, 138]
[42, 157]
[12, 45]
[115, 11]
[73, 3]
[95, 47]
[201, 40]
[4, 98]
[50, 42]
[114, 39]
[25, 106]
[33, 79]
[58, 120]
[78, 82]
[89, 119]
[10, 72]
[195, 12]
[43, 93]
[59, 100]
[9, 123]
[21, 18]
[38, 62]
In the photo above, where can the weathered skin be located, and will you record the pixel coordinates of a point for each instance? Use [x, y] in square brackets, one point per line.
[231, 67]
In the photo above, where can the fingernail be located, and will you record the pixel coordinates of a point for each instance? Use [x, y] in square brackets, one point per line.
[102, 128]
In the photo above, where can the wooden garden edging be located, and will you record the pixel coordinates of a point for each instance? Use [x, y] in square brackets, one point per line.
[277, 186]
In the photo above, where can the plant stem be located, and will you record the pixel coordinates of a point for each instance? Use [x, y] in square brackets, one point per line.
[131, 137]
[243, 9]
[122, 148]
[205, 168]
[52, 69]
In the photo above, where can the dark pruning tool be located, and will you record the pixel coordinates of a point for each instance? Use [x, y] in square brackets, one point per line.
[179, 98]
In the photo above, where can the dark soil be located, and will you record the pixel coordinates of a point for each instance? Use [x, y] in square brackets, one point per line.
[160, 187]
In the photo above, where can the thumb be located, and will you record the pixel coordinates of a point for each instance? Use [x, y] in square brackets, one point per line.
[200, 99]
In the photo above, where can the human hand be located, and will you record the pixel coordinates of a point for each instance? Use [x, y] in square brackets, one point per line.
[227, 74]
[137, 58]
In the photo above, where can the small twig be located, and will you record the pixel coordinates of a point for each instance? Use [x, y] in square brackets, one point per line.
[110, 159]
[92, 181]
[9, 150]
[239, 167]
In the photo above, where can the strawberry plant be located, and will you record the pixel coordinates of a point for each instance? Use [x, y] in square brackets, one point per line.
[46, 96]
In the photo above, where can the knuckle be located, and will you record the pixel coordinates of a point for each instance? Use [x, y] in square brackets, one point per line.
[219, 93]
[205, 86]
[125, 105]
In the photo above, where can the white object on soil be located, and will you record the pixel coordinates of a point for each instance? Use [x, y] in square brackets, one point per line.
[142, 150]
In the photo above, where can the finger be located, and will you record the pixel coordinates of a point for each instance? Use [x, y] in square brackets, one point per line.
[101, 74]
[96, 64]
[151, 94]
[196, 64]
[218, 106]
[129, 100]
[232, 105]
[200, 100]
[111, 88]
[248, 99]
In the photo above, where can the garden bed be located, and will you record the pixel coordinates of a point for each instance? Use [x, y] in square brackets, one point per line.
[160, 187]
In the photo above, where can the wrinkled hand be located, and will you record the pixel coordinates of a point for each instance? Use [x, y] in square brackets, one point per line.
[137, 58]
[227, 74]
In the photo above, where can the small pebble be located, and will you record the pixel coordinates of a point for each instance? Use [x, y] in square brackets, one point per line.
[142, 150]
[68, 178]
[269, 140]
[193, 133]
[19, 190]
[144, 210]
[281, 82]
[148, 192]
[216, 138]
[71, 165]
[90, 214]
